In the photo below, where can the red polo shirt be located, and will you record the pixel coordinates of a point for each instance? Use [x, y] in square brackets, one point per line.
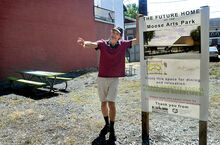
[112, 59]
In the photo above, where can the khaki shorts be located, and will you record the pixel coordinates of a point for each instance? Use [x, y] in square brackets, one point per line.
[107, 89]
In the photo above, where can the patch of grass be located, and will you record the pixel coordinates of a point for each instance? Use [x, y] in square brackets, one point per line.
[28, 142]
[216, 99]
[61, 101]
[69, 141]
[133, 88]
[89, 92]
[126, 60]
[84, 96]
[2, 101]
[78, 97]
[217, 73]
[15, 101]
[129, 85]
[56, 137]
[77, 102]
[16, 115]
[96, 124]
[40, 117]
[137, 109]
[29, 112]
[73, 117]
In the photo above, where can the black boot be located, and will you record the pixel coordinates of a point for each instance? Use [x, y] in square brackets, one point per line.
[100, 140]
[105, 130]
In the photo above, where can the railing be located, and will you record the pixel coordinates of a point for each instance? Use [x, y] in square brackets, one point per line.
[105, 15]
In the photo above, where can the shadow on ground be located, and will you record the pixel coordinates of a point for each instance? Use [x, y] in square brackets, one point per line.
[28, 92]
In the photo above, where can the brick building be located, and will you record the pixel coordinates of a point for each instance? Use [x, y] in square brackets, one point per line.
[42, 35]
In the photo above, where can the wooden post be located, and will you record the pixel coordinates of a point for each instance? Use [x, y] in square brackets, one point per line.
[202, 132]
[145, 128]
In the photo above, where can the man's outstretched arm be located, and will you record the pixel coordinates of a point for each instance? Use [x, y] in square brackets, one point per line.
[136, 40]
[87, 44]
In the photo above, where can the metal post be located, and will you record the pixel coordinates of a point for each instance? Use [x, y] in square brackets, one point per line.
[204, 75]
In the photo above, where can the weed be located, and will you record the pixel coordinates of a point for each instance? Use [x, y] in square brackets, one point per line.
[69, 141]
[216, 99]
[61, 101]
[217, 73]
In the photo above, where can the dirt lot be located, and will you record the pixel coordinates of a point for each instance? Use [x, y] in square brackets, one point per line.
[74, 117]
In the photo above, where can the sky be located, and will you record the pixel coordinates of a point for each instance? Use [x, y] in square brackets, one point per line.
[156, 7]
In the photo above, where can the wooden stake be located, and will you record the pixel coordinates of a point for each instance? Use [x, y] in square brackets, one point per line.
[145, 128]
[202, 132]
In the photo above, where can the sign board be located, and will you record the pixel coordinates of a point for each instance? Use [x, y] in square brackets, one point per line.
[174, 59]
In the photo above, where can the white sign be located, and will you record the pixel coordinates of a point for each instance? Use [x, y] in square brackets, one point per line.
[174, 62]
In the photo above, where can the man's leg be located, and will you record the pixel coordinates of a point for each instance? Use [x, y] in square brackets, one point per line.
[112, 94]
[112, 113]
[100, 140]
[103, 91]
[104, 109]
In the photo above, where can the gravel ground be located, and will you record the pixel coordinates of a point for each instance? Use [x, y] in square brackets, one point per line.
[74, 117]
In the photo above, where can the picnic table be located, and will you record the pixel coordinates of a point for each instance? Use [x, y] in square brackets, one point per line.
[40, 78]
[130, 70]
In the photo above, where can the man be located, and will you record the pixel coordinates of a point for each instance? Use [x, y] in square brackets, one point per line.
[111, 67]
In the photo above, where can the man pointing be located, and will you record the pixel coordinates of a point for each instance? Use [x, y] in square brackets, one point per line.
[111, 67]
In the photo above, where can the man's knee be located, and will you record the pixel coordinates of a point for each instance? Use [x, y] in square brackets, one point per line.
[111, 105]
[104, 104]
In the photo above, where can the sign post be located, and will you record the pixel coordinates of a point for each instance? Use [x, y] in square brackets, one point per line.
[204, 75]
[145, 128]
[174, 59]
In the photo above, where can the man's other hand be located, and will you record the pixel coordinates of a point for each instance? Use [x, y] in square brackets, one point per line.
[80, 41]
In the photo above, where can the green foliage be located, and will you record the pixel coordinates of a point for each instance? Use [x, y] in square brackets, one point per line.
[132, 10]
[195, 34]
[148, 36]
[217, 73]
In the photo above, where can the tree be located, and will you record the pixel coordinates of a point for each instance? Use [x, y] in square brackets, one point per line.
[132, 10]
[148, 36]
[195, 34]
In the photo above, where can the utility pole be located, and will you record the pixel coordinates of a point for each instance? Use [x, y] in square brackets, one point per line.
[143, 7]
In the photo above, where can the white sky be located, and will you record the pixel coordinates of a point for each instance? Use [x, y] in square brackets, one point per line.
[156, 7]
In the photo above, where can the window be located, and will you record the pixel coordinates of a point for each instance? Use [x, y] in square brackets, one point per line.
[104, 15]
[130, 37]
[218, 41]
[129, 31]
[210, 42]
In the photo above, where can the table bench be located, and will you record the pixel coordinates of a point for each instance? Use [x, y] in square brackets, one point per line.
[28, 82]
[34, 83]
[62, 79]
